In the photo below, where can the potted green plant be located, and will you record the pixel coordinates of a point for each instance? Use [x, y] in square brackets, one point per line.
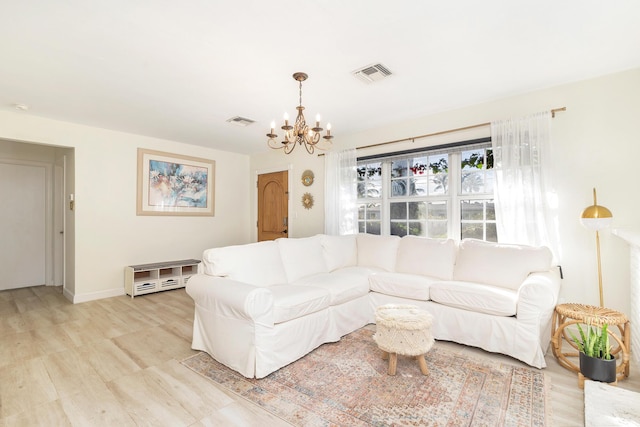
[596, 361]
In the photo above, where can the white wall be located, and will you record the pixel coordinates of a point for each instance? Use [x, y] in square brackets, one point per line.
[108, 234]
[595, 144]
[302, 222]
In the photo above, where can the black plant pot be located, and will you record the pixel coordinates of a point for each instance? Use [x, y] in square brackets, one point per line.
[598, 369]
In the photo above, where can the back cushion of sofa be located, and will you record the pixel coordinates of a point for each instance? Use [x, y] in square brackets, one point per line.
[339, 251]
[426, 257]
[258, 264]
[499, 264]
[302, 257]
[377, 251]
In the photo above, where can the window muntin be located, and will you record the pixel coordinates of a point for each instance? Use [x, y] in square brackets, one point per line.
[415, 195]
[370, 198]
[478, 220]
[476, 171]
[418, 218]
[370, 181]
[419, 176]
[369, 218]
[477, 209]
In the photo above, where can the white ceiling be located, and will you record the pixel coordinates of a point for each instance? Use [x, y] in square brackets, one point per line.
[179, 69]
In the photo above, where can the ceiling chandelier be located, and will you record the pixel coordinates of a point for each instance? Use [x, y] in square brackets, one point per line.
[299, 133]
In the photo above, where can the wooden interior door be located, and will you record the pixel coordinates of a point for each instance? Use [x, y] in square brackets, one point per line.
[273, 205]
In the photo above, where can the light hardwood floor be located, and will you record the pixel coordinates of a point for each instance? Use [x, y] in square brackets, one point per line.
[116, 362]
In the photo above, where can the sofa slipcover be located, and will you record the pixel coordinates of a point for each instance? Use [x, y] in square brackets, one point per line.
[261, 306]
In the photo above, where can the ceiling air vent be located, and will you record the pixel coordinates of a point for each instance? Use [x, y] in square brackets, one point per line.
[240, 121]
[372, 73]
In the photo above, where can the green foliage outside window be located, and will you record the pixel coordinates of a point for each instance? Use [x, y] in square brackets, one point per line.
[416, 195]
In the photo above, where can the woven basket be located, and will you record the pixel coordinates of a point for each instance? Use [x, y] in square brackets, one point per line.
[403, 329]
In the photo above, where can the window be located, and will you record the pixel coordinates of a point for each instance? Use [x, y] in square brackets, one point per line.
[477, 212]
[369, 198]
[438, 194]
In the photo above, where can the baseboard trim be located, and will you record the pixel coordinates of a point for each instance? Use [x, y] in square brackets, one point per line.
[67, 294]
[92, 296]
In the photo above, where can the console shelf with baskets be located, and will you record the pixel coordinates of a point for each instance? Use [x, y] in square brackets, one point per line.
[147, 278]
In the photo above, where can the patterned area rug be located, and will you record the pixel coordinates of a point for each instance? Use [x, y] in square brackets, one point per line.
[346, 384]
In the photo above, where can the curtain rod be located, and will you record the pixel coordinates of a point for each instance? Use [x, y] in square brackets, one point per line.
[443, 132]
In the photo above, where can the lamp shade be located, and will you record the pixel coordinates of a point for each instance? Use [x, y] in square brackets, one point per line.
[596, 217]
[596, 224]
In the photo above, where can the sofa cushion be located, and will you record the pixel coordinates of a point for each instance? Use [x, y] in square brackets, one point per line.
[291, 302]
[475, 297]
[258, 264]
[377, 251]
[343, 285]
[401, 285]
[302, 257]
[499, 264]
[427, 257]
[339, 251]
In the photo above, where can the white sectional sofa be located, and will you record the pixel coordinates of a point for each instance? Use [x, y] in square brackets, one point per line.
[261, 306]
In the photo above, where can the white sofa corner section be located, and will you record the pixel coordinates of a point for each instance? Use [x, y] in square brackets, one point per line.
[261, 306]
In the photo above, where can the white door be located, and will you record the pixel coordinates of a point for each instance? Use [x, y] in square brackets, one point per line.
[22, 225]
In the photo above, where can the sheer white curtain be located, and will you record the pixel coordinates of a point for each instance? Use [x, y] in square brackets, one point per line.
[526, 204]
[340, 189]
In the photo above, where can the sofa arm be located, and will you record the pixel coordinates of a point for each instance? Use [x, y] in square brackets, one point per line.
[538, 295]
[230, 298]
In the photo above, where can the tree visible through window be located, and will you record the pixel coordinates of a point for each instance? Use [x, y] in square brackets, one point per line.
[370, 198]
[477, 209]
[429, 194]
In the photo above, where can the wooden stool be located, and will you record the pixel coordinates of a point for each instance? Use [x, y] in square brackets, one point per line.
[570, 314]
[404, 330]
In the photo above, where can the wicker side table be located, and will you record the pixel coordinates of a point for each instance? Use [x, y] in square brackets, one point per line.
[570, 314]
[406, 330]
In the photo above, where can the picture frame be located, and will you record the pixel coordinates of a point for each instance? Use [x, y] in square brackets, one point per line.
[175, 185]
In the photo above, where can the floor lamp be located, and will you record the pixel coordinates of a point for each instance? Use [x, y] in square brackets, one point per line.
[597, 218]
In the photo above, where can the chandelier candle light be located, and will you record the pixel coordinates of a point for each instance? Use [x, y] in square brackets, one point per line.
[299, 133]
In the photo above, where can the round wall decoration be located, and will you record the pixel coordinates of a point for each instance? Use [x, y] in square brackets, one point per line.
[307, 200]
[307, 178]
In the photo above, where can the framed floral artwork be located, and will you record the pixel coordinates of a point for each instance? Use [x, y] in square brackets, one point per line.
[172, 184]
